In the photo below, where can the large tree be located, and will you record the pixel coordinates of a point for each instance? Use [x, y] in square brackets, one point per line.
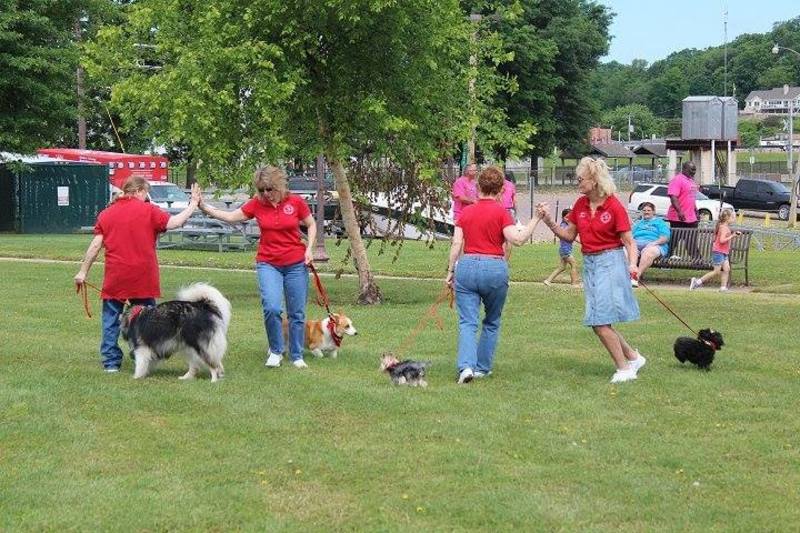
[38, 61]
[247, 82]
[644, 123]
[556, 45]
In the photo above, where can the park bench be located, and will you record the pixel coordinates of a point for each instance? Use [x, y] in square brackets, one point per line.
[202, 232]
[684, 240]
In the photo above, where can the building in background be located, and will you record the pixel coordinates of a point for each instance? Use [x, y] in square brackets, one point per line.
[772, 101]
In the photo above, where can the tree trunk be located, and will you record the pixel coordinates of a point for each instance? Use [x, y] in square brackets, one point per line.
[191, 171]
[368, 293]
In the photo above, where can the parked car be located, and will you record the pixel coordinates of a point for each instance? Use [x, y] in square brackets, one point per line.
[306, 188]
[656, 194]
[168, 195]
[754, 194]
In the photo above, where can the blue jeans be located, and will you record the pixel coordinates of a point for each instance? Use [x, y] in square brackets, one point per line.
[276, 283]
[479, 279]
[110, 353]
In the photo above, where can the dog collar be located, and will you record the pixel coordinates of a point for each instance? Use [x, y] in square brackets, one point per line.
[135, 310]
[713, 345]
[337, 339]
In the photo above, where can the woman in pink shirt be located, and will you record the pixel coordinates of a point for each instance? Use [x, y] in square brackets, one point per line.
[509, 196]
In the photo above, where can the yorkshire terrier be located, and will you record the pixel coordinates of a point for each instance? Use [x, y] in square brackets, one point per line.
[699, 351]
[405, 372]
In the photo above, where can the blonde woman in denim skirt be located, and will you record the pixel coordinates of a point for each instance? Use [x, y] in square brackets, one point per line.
[609, 262]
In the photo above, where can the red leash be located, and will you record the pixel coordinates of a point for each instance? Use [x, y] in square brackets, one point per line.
[668, 308]
[82, 290]
[322, 294]
[447, 293]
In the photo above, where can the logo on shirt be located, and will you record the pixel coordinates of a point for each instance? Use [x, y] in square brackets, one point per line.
[605, 218]
[583, 215]
[288, 209]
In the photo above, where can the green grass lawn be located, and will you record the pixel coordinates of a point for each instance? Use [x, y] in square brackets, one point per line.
[546, 443]
[770, 271]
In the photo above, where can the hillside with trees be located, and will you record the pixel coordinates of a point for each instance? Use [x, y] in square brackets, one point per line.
[661, 86]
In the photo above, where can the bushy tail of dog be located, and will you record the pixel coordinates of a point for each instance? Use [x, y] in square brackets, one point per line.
[197, 292]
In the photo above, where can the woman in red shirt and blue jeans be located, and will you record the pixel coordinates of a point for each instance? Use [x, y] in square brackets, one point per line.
[481, 273]
[281, 258]
[128, 230]
[602, 224]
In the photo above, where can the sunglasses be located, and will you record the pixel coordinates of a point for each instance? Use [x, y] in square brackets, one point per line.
[265, 189]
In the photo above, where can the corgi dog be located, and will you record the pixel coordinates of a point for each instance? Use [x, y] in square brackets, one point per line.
[325, 336]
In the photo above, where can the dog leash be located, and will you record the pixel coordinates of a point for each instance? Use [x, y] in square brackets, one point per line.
[83, 291]
[322, 294]
[668, 308]
[431, 313]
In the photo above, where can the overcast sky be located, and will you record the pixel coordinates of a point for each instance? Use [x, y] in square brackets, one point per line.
[653, 30]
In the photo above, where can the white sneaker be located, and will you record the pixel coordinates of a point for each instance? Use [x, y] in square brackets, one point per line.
[724, 289]
[695, 283]
[478, 374]
[634, 283]
[465, 376]
[547, 282]
[299, 364]
[637, 363]
[626, 374]
[274, 360]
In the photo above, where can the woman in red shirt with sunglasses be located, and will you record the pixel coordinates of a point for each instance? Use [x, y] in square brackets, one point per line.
[281, 260]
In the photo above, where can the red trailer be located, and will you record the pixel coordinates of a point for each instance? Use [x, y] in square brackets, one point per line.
[120, 166]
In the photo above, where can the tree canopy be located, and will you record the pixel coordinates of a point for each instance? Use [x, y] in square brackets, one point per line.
[556, 45]
[38, 61]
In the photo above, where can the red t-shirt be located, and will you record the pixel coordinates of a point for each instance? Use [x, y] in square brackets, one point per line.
[601, 231]
[482, 224]
[130, 229]
[280, 243]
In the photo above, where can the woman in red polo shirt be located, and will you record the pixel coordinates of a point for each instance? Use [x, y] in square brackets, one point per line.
[281, 258]
[128, 230]
[481, 273]
[602, 224]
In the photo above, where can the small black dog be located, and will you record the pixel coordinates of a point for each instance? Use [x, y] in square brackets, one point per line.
[701, 350]
[406, 372]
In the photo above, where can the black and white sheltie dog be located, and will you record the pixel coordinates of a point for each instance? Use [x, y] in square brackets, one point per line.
[195, 323]
[701, 350]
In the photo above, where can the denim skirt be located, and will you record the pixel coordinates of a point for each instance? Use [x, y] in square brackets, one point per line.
[607, 289]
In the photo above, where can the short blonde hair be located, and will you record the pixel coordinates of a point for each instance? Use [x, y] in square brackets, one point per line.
[273, 178]
[491, 181]
[597, 170]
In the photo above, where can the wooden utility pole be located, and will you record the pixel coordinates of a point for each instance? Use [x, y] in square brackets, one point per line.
[80, 93]
[320, 254]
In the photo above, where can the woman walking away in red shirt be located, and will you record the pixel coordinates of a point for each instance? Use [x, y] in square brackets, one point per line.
[128, 230]
[602, 224]
[481, 274]
[281, 258]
